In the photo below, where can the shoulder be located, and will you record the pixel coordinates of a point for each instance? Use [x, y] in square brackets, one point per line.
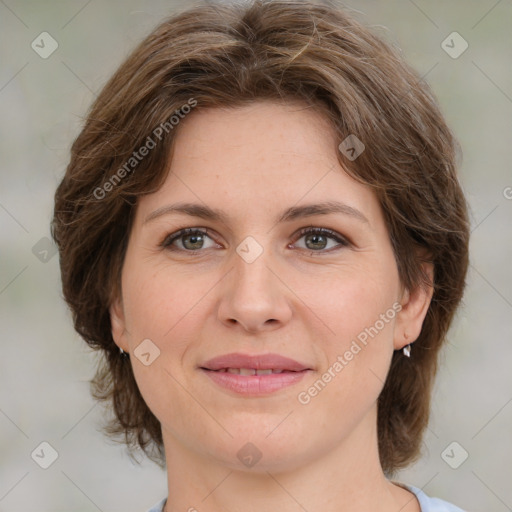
[429, 504]
[158, 507]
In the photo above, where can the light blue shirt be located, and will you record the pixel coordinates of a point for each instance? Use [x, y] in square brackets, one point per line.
[426, 504]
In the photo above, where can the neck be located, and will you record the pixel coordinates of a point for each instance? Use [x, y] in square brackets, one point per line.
[347, 478]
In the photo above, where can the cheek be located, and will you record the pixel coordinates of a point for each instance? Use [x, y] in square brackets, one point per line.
[358, 309]
[355, 358]
[168, 309]
[348, 300]
[159, 302]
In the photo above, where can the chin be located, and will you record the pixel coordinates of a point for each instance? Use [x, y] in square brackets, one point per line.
[254, 450]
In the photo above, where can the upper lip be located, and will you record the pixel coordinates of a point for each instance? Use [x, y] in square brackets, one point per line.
[257, 362]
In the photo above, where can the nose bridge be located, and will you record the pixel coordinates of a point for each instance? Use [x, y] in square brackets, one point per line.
[253, 295]
[252, 269]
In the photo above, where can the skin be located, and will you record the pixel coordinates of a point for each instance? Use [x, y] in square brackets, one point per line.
[305, 298]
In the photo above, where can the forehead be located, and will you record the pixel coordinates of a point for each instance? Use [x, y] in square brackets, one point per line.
[265, 133]
[258, 159]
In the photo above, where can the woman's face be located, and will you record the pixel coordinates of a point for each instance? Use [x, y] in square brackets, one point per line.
[287, 258]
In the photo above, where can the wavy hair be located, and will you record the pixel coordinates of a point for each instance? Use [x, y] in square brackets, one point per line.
[228, 56]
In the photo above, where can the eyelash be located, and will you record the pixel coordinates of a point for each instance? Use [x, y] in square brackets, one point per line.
[170, 239]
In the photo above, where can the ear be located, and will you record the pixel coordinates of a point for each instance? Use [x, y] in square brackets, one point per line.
[118, 324]
[415, 304]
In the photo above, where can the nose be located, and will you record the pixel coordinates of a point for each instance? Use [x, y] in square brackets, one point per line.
[254, 297]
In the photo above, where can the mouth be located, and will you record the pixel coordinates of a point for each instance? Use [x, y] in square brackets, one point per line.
[254, 375]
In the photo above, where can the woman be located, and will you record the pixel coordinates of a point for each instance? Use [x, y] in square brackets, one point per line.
[262, 230]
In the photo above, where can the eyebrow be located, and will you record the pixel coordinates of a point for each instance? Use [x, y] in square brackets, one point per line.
[292, 213]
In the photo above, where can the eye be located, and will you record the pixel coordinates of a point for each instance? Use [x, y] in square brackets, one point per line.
[188, 239]
[318, 239]
[195, 239]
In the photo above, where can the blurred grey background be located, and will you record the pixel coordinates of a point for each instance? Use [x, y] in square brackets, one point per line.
[45, 367]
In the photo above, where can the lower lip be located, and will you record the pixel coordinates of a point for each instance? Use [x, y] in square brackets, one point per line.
[255, 384]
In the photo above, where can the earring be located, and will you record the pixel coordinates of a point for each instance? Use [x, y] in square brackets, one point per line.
[123, 353]
[407, 348]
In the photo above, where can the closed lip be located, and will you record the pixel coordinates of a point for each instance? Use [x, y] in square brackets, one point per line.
[256, 362]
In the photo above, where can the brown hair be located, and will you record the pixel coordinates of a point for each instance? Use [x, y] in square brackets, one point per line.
[230, 55]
